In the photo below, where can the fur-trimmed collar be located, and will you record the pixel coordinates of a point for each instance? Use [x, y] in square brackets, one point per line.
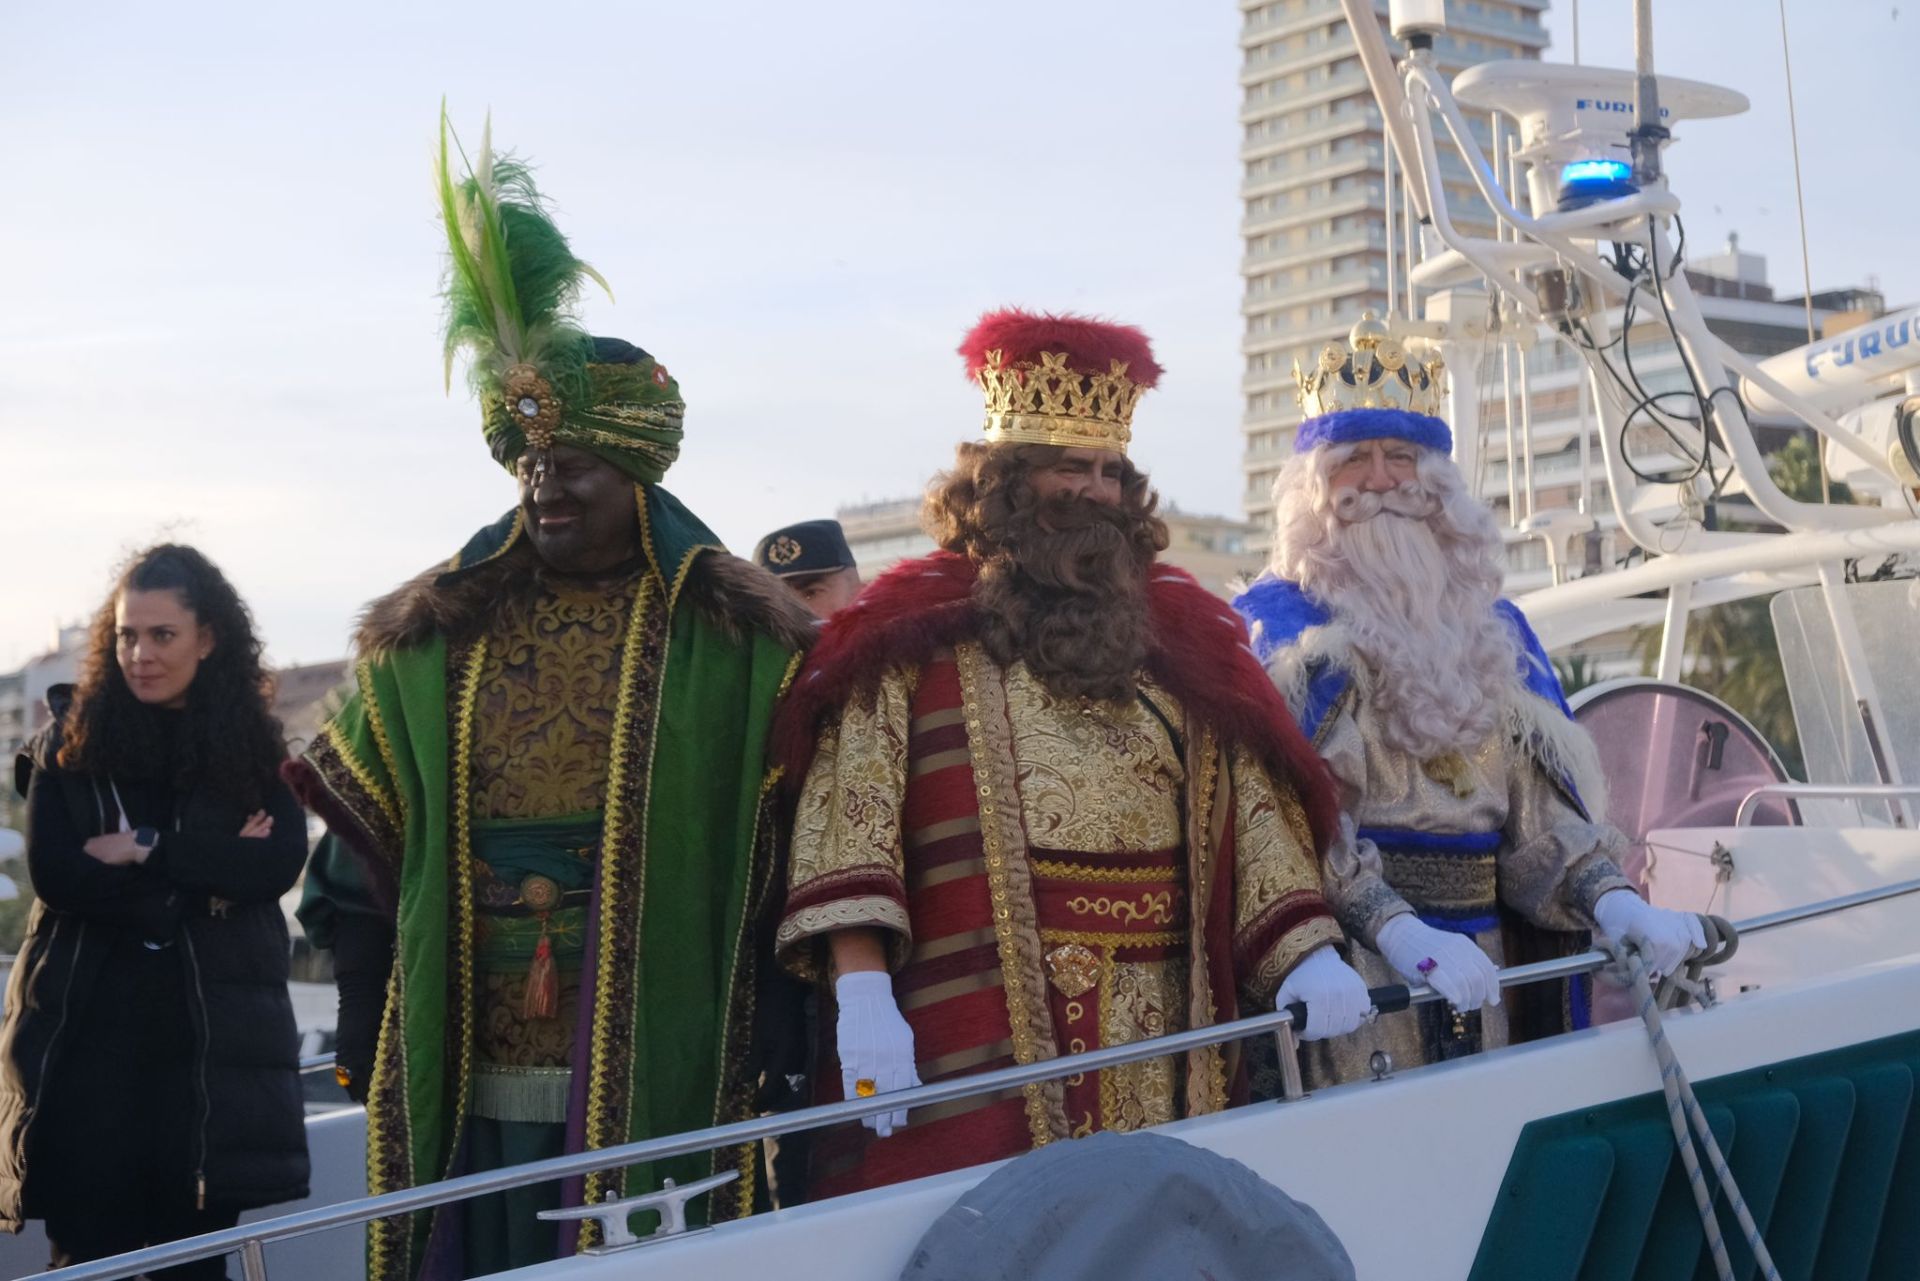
[1199, 654]
[1302, 663]
[737, 596]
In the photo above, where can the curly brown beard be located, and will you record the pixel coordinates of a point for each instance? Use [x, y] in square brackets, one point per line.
[1063, 583]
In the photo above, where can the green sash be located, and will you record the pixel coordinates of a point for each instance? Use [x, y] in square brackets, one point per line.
[515, 848]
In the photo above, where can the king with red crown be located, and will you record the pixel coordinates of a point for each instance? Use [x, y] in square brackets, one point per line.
[1042, 797]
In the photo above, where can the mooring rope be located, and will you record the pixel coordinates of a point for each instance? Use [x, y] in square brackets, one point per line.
[1683, 1109]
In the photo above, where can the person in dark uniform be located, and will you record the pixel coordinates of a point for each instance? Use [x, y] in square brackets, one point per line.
[814, 562]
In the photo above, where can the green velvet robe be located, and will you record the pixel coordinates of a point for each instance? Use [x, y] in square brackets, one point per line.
[684, 870]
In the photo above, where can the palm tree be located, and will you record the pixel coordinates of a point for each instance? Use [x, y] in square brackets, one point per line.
[1796, 469]
[1576, 672]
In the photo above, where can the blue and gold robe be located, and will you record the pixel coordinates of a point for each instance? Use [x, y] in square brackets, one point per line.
[1504, 841]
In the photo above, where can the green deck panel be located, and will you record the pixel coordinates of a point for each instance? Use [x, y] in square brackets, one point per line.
[1676, 1242]
[1571, 1172]
[1897, 1250]
[1826, 1150]
[1884, 1096]
[1768, 1122]
[1643, 1153]
[1812, 1176]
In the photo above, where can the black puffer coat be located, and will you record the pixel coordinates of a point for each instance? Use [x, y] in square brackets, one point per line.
[210, 894]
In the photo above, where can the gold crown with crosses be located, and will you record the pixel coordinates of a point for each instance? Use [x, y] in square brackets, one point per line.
[1372, 371]
[1059, 379]
[1047, 403]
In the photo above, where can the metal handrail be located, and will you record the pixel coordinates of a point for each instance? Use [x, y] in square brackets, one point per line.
[315, 1063]
[248, 1239]
[1857, 791]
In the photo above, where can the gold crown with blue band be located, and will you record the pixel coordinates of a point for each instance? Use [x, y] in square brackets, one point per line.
[1373, 370]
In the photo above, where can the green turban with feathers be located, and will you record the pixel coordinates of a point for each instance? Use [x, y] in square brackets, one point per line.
[512, 284]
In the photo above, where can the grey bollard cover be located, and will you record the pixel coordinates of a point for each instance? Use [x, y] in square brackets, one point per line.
[1114, 1207]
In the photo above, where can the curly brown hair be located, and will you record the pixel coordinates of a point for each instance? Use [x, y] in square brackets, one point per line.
[1062, 582]
[226, 744]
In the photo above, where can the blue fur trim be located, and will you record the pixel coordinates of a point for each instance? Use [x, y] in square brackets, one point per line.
[1541, 680]
[1536, 667]
[1346, 426]
[1475, 844]
[1324, 687]
[1277, 611]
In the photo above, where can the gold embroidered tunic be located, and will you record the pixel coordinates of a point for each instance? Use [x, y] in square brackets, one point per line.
[543, 728]
[1075, 815]
[1106, 779]
[543, 723]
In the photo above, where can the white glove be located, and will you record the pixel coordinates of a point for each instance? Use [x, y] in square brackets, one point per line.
[1451, 964]
[1335, 996]
[1664, 938]
[875, 1043]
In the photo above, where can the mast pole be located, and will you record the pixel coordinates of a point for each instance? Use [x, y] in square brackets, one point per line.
[1648, 132]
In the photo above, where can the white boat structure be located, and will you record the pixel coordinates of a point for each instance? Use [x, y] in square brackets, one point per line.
[1556, 1158]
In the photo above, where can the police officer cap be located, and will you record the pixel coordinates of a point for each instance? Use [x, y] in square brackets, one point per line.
[811, 547]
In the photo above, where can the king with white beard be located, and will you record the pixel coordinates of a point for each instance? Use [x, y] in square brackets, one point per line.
[1474, 833]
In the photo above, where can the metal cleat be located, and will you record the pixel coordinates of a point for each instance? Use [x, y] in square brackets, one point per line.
[613, 1213]
[1722, 859]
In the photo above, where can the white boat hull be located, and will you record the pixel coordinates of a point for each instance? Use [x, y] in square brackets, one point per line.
[1405, 1171]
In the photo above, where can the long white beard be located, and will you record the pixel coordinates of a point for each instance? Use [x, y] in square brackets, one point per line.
[1416, 599]
[1442, 661]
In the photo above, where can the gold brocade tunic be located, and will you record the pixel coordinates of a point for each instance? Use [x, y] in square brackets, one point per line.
[1101, 789]
[543, 724]
[542, 736]
[1100, 778]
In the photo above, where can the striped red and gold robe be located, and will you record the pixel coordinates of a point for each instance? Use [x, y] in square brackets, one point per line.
[1052, 875]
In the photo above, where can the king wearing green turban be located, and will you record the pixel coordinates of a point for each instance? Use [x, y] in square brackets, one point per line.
[548, 802]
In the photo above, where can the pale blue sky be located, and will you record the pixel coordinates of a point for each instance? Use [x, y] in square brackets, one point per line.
[221, 257]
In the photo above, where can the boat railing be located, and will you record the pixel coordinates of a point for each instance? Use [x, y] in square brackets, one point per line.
[1838, 791]
[250, 1239]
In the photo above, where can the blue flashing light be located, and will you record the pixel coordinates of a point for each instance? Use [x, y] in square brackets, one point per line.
[1582, 172]
[1582, 182]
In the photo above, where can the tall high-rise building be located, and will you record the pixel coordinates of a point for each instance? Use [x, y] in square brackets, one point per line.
[1314, 193]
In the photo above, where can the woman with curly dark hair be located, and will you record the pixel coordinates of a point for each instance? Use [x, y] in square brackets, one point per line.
[149, 1083]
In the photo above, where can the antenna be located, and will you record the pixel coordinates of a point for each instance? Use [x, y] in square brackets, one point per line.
[1648, 132]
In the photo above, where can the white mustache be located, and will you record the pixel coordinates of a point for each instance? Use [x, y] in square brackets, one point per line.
[1353, 506]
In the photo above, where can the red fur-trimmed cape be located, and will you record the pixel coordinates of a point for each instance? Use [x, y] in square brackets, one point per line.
[1091, 345]
[1199, 654]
